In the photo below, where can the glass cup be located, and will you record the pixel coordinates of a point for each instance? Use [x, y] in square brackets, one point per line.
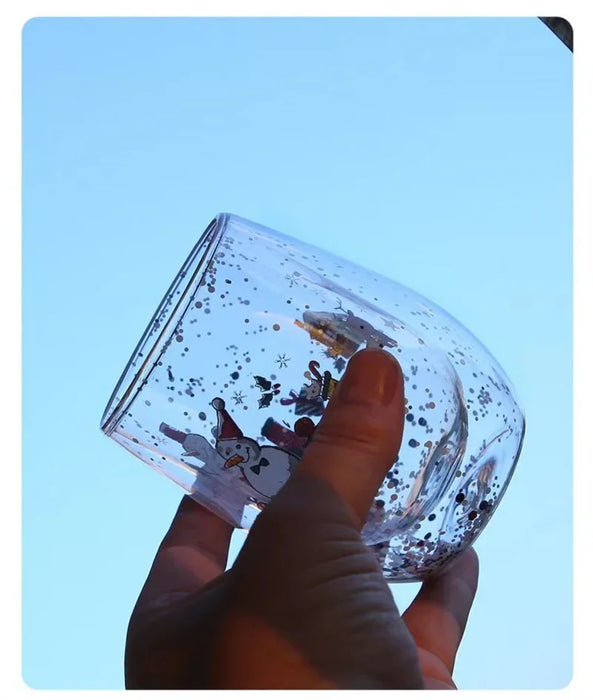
[224, 390]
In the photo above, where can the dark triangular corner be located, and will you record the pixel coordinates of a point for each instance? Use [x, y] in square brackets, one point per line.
[561, 28]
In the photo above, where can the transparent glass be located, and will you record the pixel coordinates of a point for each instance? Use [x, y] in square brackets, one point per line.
[225, 387]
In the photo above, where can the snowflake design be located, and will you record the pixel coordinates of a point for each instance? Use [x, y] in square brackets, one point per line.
[238, 397]
[391, 324]
[282, 361]
[293, 278]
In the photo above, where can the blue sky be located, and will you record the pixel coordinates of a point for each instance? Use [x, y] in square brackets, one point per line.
[434, 151]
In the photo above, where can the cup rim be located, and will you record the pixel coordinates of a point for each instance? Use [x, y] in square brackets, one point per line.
[194, 267]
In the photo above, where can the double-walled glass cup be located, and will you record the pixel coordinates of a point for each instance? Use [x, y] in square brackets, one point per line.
[234, 371]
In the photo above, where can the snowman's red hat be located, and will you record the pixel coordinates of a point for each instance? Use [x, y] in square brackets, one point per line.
[226, 429]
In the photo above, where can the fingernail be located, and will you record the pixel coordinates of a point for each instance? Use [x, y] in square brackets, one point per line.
[371, 377]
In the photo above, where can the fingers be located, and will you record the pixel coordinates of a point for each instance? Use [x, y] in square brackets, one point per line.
[193, 552]
[438, 615]
[361, 431]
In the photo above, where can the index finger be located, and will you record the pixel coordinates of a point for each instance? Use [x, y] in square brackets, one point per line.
[438, 615]
[193, 552]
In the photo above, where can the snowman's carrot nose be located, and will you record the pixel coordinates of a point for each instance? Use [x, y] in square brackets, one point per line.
[233, 461]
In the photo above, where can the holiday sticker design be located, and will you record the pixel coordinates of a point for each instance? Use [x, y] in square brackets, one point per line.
[310, 400]
[264, 470]
[294, 441]
[321, 385]
[303, 404]
[268, 390]
[343, 333]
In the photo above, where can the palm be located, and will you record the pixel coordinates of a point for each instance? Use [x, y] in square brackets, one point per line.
[191, 560]
[304, 605]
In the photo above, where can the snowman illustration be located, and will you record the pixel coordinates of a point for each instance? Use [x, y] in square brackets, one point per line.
[265, 469]
[262, 471]
[228, 495]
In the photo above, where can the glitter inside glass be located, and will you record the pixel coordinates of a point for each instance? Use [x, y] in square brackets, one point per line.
[234, 371]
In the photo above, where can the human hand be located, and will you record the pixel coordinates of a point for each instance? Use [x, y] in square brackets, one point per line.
[305, 604]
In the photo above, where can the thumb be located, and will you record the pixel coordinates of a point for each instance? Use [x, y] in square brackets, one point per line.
[360, 434]
[322, 612]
